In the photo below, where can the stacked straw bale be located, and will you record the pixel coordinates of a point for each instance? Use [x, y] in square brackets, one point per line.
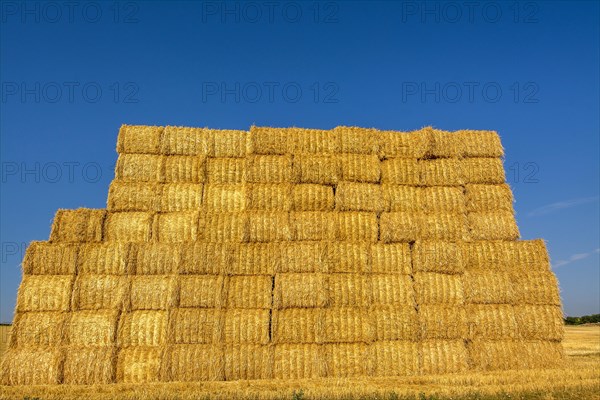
[287, 254]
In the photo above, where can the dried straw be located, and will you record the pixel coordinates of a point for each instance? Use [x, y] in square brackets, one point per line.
[401, 171]
[134, 196]
[359, 167]
[90, 365]
[196, 325]
[201, 291]
[351, 196]
[225, 170]
[313, 225]
[96, 292]
[143, 328]
[539, 322]
[224, 197]
[482, 170]
[248, 361]
[43, 258]
[139, 364]
[312, 197]
[81, 225]
[299, 361]
[348, 360]
[204, 258]
[441, 172]
[139, 139]
[313, 141]
[269, 197]
[181, 196]
[347, 324]
[92, 328]
[227, 143]
[443, 357]
[219, 227]
[392, 289]
[128, 226]
[45, 293]
[440, 321]
[357, 226]
[395, 358]
[265, 226]
[178, 140]
[491, 321]
[358, 140]
[176, 227]
[32, 366]
[535, 288]
[195, 362]
[268, 169]
[154, 258]
[319, 169]
[303, 257]
[153, 292]
[184, 169]
[140, 168]
[301, 290]
[43, 329]
[254, 259]
[438, 256]
[297, 325]
[249, 291]
[445, 144]
[511, 354]
[495, 225]
[103, 258]
[265, 140]
[489, 287]
[391, 258]
[395, 322]
[413, 144]
[485, 198]
[246, 326]
[436, 288]
[352, 257]
[480, 143]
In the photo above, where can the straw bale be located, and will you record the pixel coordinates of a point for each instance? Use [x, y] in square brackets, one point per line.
[358, 226]
[128, 226]
[391, 258]
[201, 291]
[43, 258]
[299, 361]
[269, 197]
[350, 196]
[248, 291]
[439, 321]
[176, 227]
[511, 354]
[495, 225]
[224, 227]
[92, 328]
[348, 360]
[184, 169]
[539, 322]
[312, 197]
[395, 322]
[179, 140]
[414, 144]
[303, 257]
[103, 258]
[31, 366]
[139, 139]
[80, 225]
[313, 141]
[195, 362]
[268, 226]
[45, 293]
[442, 199]
[255, 259]
[441, 172]
[392, 289]
[360, 167]
[300, 290]
[297, 325]
[398, 227]
[482, 170]
[95, 292]
[143, 328]
[395, 358]
[248, 361]
[480, 143]
[347, 324]
[526, 255]
[401, 171]
[488, 287]
[226, 170]
[349, 290]
[445, 144]
[350, 257]
[153, 292]
[38, 329]
[402, 198]
[438, 256]
[436, 288]
[90, 365]
[443, 226]
[268, 169]
[314, 225]
[534, 288]
[443, 357]
[140, 168]
[358, 140]
[488, 198]
[154, 258]
[320, 169]
[139, 364]
[228, 143]
[224, 197]
[196, 325]
[247, 326]
[204, 258]
[181, 196]
[134, 196]
[491, 321]
[266, 140]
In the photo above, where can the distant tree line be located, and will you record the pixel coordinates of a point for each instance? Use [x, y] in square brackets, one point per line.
[585, 319]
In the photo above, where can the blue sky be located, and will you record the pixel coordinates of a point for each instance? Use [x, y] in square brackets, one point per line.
[72, 73]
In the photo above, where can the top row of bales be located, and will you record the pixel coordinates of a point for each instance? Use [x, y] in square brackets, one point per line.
[424, 143]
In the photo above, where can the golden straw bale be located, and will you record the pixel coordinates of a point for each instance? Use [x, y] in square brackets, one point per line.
[482, 170]
[184, 169]
[349, 290]
[196, 325]
[391, 258]
[92, 328]
[103, 258]
[488, 287]
[95, 292]
[176, 227]
[441, 172]
[445, 144]
[320, 169]
[201, 291]
[179, 140]
[154, 258]
[401, 171]
[346, 257]
[255, 259]
[399, 227]
[392, 289]
[268, 226]
[268, 169]
[312, 197]
[511, 354]
[228, 143]
[181, 196]
[139, 139]
[195, 362]
[488, 254]
[80, 225]
[204, 258]
[139, 364]
[224, 227]
[269, 197]
[402, 198]
[539, 322]
[491, 321]
[358, 140]
[438, 256]
[495, 225]
[266, 140]
[443, 357]
[248, 361]
[488, 198]
[303, 257]
[226, 170]
[38, 329]
[395, 358]
[31, 366]
[224, 197]
[348, 360]
[534, 288]
[299, 361]
[414, 144]
[395, 322]
[347, 324]
[440, 321]
[442, 199]
[480, 143]
[45, 293]
[313, 141]
[360, 167]
[436, 288]
[526, 255]
[140, 168]
[357, 226]
[300, 290]
[90, 365]
[143, 328]
[134, 196]
[246, 326]
[350, 196]
[297, 325]
[43, 258]
[153, 292]
[247, 291]
[128, 226]
[314, 225]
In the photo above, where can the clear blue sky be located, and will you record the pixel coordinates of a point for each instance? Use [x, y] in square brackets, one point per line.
[72, 74]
